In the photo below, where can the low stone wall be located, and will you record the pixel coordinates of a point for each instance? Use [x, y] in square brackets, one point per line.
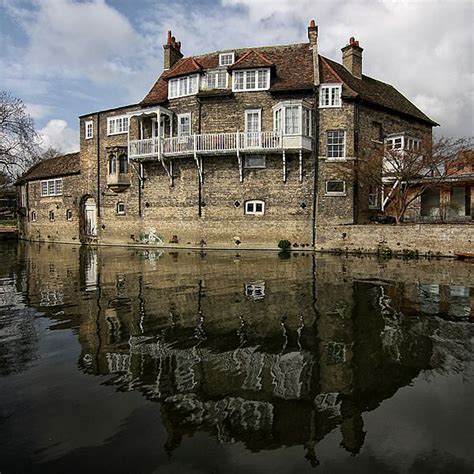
[431, 239]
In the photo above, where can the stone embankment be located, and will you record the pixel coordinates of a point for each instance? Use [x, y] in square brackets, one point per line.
[409, 239]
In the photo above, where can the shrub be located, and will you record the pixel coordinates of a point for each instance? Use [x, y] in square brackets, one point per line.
[285, 245]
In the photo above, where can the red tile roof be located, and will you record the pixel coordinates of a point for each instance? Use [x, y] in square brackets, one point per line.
[293, 70]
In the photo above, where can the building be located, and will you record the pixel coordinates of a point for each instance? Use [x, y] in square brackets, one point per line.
[235, 148]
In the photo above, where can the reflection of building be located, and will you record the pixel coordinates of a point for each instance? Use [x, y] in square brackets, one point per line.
[329, 341]
[235, 148]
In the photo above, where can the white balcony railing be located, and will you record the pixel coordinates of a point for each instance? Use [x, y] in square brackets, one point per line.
[208, 143]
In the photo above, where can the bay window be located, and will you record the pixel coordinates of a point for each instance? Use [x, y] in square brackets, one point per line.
[292, 118]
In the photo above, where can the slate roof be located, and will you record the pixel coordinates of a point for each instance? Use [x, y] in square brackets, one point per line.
[292, 67]
[53, 167]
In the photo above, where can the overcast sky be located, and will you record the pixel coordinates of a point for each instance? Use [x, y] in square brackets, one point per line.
[65, 58]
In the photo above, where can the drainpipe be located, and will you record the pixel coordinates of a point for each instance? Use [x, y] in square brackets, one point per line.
[316, 168]
[199, 179]
[355, 167]
[98, 165]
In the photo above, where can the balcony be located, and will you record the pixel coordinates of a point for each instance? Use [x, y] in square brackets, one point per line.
[218, 143]
[118, 182]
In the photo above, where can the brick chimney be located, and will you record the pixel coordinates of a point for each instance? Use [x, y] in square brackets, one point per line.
[171, 51]
[313, 44]
[352, 58]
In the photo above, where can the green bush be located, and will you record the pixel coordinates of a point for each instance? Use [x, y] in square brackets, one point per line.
[284, 245]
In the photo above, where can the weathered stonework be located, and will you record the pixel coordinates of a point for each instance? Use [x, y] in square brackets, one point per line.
[144, 205]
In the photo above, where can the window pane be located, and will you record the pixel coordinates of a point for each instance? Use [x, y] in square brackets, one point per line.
[292, 119]
[335, 143]
[258, 207]
[334, 186]
[238, 80]
[221, 79]
[250, 207]
[250, 80]
[262, 79]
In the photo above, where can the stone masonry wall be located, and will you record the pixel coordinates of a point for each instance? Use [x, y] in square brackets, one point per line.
[445, 239]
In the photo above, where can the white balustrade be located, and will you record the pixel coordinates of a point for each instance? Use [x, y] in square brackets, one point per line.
[208, 143]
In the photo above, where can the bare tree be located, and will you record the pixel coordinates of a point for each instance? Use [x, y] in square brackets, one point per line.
[406, 171]
[18, 139]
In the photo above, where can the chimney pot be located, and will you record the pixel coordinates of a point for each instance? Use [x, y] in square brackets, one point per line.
[172, 51]
[312, 24]
[312, 33]
[168, 40]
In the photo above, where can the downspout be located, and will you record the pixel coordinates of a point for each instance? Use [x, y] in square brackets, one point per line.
[98, 164]
[355, 168]
[199, 178]
[316, 170]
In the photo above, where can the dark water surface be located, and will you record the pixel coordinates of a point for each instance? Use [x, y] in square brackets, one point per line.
[134, 361]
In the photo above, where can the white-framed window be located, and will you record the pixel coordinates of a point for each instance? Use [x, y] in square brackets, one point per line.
[184, 124]
[89, 129]
[255, 207]
[336, 144]
[373, 197]
[23, 195]
[120, 208]
[336, 187]
[251, 80]
[292, 117]
[402, 142]
[112, 164]
[253, 120]
[69, 215]
[216, 79]
[226, 59]
[116, 125]
[52, 187]
[255, 161]
[330, 95]
[183, 86]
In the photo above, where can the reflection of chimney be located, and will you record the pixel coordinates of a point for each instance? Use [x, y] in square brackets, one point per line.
[352, 58]
[313, 44]
[171, 51]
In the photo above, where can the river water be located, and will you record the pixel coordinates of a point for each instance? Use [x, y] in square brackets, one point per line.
[142, 361]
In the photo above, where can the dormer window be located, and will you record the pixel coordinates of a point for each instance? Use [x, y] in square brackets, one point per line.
[251, 80]
[226, 59]
[330, 95]
[216, 79]
[183, 86]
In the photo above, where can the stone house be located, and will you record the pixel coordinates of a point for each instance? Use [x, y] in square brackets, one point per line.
[235, 148]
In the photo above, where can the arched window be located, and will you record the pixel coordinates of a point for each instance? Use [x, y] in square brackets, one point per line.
[123, 164]
[69, 215]
[51, 215]
[112, 164]
[33, 216]
[120, 207]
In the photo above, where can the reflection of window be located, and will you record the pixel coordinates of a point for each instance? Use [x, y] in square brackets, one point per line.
[255, 291]
[336, 353]
[429, 298]
[255, 161]
[255, 207]
[460, 301]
